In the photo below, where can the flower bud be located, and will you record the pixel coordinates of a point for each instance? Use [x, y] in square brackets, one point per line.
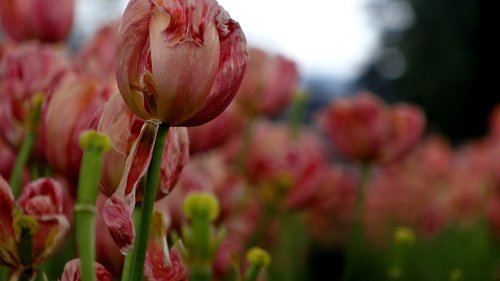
[45, 20]
[180, 62]
[268, 85]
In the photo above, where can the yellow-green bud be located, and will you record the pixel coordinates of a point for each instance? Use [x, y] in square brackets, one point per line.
[201, 203]
[456, 275]
[91, 139]
[258, 256]
[404, 236]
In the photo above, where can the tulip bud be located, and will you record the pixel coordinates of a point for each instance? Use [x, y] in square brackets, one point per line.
[268, 85]
[180, 62]
[45, 20]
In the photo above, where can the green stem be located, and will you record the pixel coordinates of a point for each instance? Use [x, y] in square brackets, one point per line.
[297, 110]
[25, 246]
[252, 273]
[356, 239]
[22, 158]
[141, 241]
[200, 273]
[201, 229]
[94, 145]
[127, 264]
[4, 273]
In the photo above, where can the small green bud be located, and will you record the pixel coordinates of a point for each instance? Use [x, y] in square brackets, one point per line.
[201, 204]
[93, 140]
[259, 257]
[404, 236]
[456, 275]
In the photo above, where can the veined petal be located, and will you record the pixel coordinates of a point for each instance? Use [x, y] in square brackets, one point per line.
[72, 272]
[41, 199]
[8, 247]
[233, 62]
[160, 264]
[118, 209]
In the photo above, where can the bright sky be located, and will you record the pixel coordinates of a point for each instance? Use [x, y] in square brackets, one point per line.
[330, 37]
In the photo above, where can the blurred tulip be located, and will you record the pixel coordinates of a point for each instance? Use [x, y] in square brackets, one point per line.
[217, 131]
[97, 56]
[40, 211]
[72, 272]
[75, 106]
[180, 62]
[269, 83]
[7, 158]
[25, 71]
[45, 20]
[121, 177]
[161, 263]
[363, 128]
[285, 167]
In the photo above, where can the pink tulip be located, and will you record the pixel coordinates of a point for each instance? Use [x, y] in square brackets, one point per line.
[269, 83]
[161, 263]
[97, 56]
[41, 204]
[180, 62]
[26, 70]
[283, 166]
[121, 177]
[217, 131]
[363, 128]
[45, 20]
[72, 272]
[75, 106]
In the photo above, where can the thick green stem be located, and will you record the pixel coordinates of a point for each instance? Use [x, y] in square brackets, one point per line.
[201, 230]
[127, 264]
[356, 239]
[94, 145]
[22, 158]
[297, 110]
[252, 272]
[141, 241]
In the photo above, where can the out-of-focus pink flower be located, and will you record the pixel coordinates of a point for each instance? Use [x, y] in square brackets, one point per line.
[40, 209]
[331, 207]
[97, 56]
[72, 272]
[126, 164]
[284, 166]
[161, 263]
[75, 106]
[26, 70]
[7, 158]
[217, 131]
[107, 252]
[363, 128]
[45, 20]
[158, 69]
[269, 83]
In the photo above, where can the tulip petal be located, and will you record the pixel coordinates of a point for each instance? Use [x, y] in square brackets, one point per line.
[8, 246]
[72, 272]
[232, 66]
[118, 208]
[160, 264]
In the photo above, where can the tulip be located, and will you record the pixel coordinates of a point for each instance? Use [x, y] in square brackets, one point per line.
[75, 106]
[97, 56]
[216, 132]
[72, 272]
[38, 211]
[161, 263]
[25, 71]
[363, 128]
[180, 62]
[125, 165]
[269, 83]
[45, 20]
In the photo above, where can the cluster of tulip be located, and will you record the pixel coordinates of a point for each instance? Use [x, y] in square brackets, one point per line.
[132, 142]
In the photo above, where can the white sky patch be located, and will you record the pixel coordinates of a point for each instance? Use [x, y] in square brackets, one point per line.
[332, 37]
